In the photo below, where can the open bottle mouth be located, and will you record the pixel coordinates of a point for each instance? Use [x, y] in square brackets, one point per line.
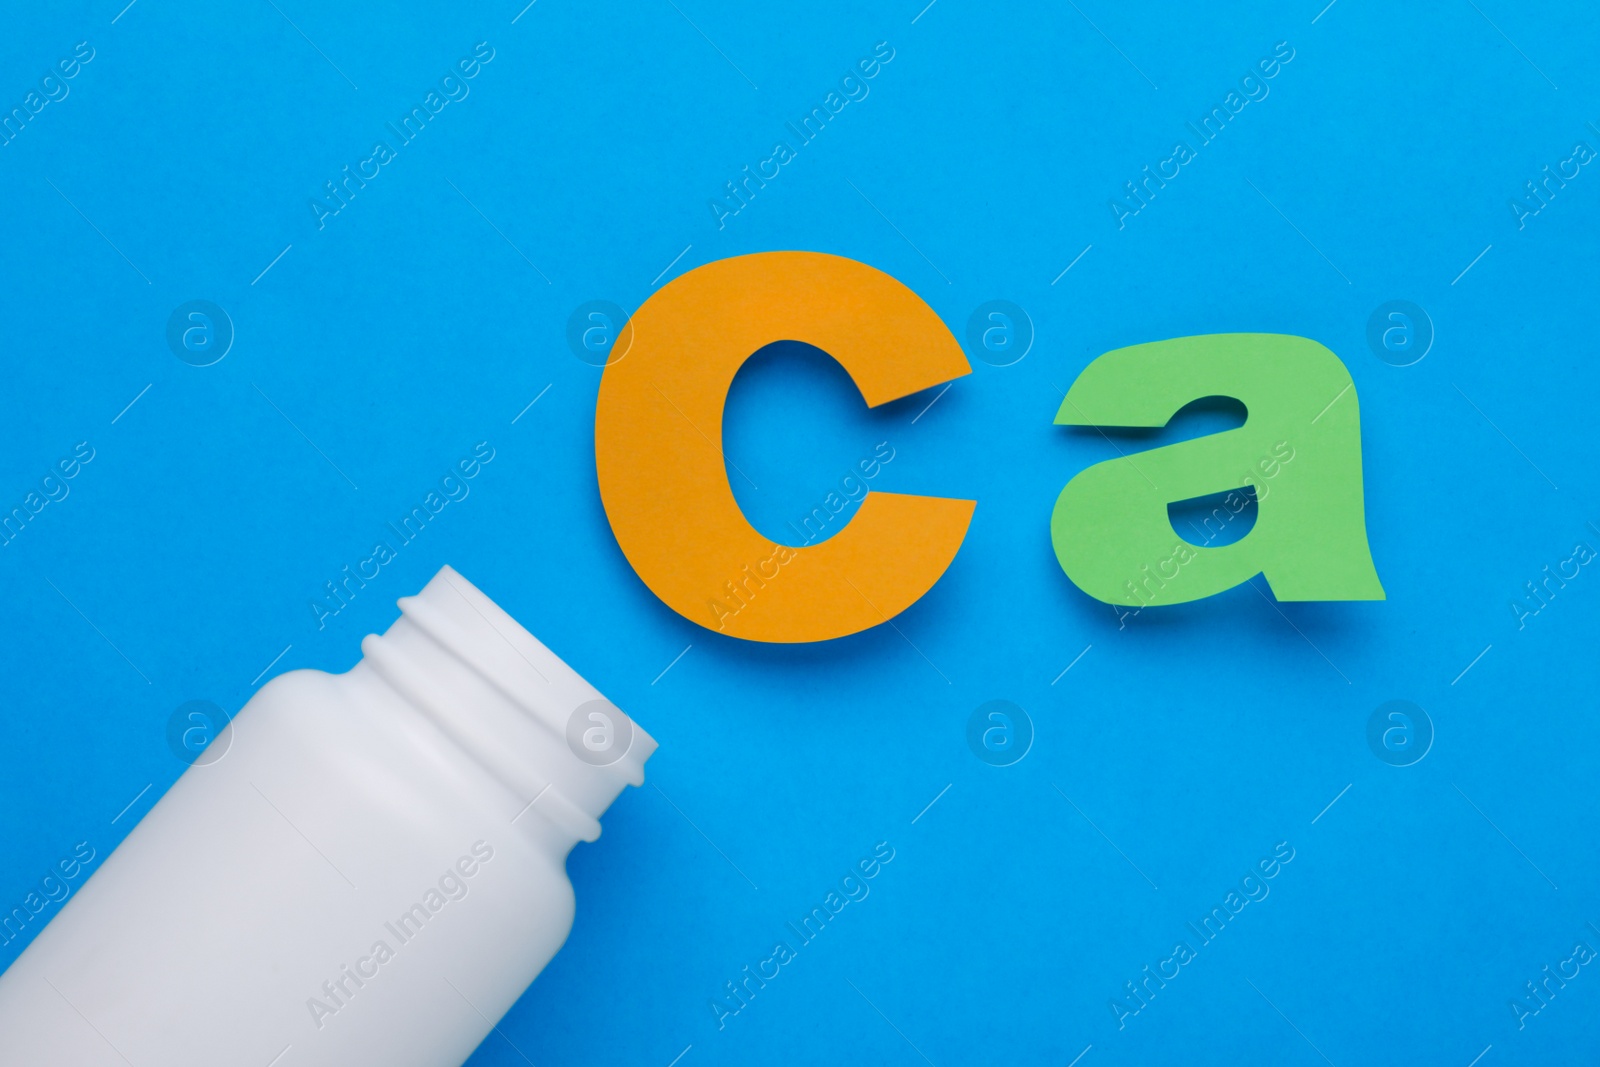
[516, 708]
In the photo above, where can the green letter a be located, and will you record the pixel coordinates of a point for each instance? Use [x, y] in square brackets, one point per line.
[1110, 527]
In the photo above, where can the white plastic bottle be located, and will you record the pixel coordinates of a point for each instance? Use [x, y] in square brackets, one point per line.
[372, 873]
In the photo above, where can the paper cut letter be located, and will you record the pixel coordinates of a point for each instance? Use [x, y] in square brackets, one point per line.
[1110, 527]
[658, 447]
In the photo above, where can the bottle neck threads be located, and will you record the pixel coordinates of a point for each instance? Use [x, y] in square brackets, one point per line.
[515, 708]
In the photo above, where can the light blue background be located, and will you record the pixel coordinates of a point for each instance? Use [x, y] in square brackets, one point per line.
[1195, 739]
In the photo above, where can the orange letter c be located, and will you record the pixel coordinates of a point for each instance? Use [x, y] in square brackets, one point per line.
[658, 447]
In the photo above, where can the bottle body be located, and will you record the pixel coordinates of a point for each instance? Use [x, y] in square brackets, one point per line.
[354, 881]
